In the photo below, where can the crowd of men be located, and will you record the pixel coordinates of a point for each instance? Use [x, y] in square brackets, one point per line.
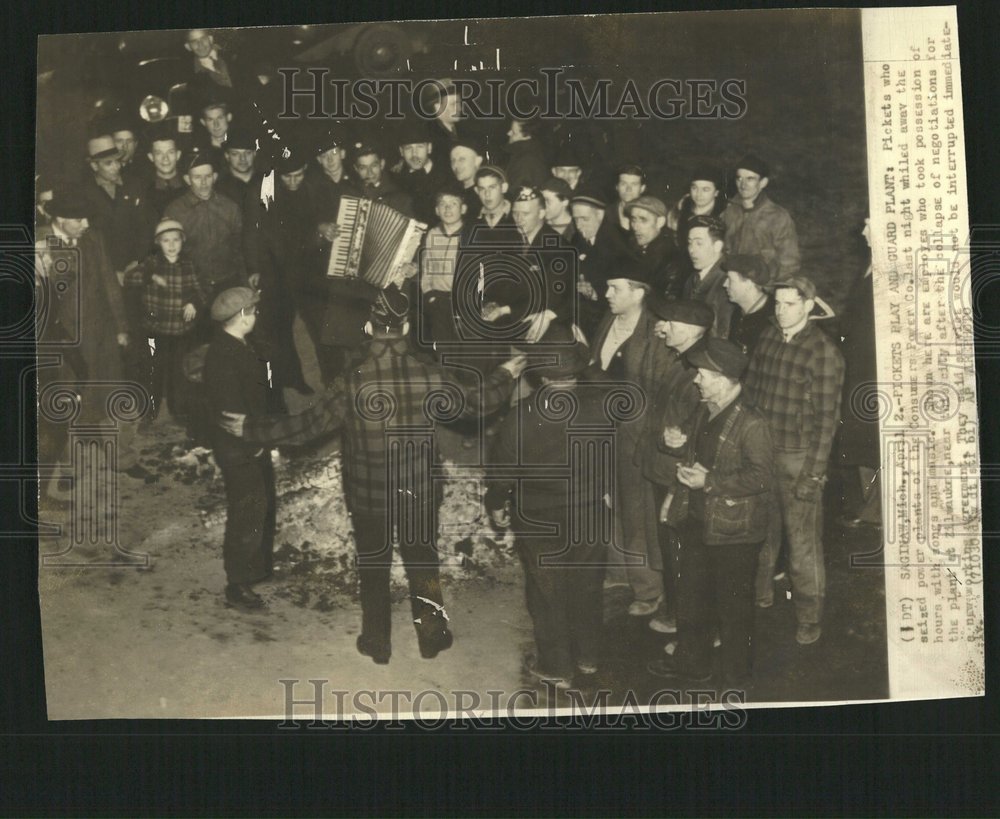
[190, 262]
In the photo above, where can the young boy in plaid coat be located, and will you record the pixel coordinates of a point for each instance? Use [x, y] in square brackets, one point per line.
[171, 297]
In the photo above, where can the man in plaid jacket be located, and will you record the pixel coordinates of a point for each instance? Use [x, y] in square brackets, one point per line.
[795, 379]
[388, 409]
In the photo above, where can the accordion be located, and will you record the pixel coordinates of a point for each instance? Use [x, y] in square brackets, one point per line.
[372, 242]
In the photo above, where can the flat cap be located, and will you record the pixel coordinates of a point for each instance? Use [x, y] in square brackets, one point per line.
[806, 287]
[229, 302]
[719, 355]
[684, 311]
[649, 203]
[166, 225]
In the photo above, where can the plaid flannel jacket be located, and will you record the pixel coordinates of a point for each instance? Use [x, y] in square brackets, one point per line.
[796, 386]
[163, 307]
[388, 408]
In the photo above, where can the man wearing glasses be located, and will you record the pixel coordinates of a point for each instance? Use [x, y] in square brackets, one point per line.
[236, 380]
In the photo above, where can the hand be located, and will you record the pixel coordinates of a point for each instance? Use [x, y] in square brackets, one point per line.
[254, 280]
[807, 488]
[232, 422]
[500, 517]
[189, 312]
[407, 270]
[122, 339]
[674, 438]
[586, 289]
[515, 366]
[328, 230]
[693, 476]
[538, 324]
[159, 280]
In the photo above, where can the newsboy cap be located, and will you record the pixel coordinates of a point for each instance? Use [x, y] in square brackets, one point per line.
[229, 302]
[754, 164]
[649, 203]
[166, 225]
[719, 355]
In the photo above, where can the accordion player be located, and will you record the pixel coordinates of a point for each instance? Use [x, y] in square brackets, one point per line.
[373, 241]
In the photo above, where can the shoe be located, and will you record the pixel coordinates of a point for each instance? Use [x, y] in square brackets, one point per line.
[667, 668]
[587, 669]
[241, 596]
[380, 654]
[430, 647]
[808, 633]
[643, 608]
[560, 683]
[664, 625]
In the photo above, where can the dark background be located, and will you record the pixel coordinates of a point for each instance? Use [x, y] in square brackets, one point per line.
[923, 758]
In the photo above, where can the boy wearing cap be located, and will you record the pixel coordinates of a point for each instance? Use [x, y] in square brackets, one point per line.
[746, 277]
[333, 181]
[170, 297]
[630, 186]
[236, 380]
[491, 188]
[795, 379]
[757, 226]
[727, 475]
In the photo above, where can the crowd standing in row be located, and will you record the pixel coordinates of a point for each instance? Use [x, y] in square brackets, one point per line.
[176, 243]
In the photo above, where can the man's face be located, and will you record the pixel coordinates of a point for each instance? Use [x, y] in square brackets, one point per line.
[645, 225]
[240, 160]
[749, 184]
[703, 193]
[170, 243]
[790, 308]
[738, 288]
[450, 209]
[201, 180]
[677, 334]
[449, 110]
[711, 384]
[703, 250]
[109, 170]
[622, 296]
[73, 228]
[126, 143]
[369, 168]
[293, 181]
[569, 173]
[528, 216]
[216, 122]
[490, 191]
[200, 43]
[555, 208]
[415, 154]
[464, 163]
[332, 161]
[587, 219]
[164, 156]
[630, 187]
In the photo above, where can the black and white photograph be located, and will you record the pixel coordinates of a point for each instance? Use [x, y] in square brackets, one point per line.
[496, 367]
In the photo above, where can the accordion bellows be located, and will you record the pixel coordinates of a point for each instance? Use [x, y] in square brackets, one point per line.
[373, 241]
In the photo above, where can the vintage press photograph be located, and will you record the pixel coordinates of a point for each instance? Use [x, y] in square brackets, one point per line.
[469, 367]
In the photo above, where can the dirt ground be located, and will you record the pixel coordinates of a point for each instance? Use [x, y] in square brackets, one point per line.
[155, 639]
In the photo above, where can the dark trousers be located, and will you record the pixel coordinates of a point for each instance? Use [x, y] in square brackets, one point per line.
[165, 374]
[332, 360]
[667, 537]
[715, 589]
[248, 548]
[373, 540]
[275, 324]
[563, 586]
